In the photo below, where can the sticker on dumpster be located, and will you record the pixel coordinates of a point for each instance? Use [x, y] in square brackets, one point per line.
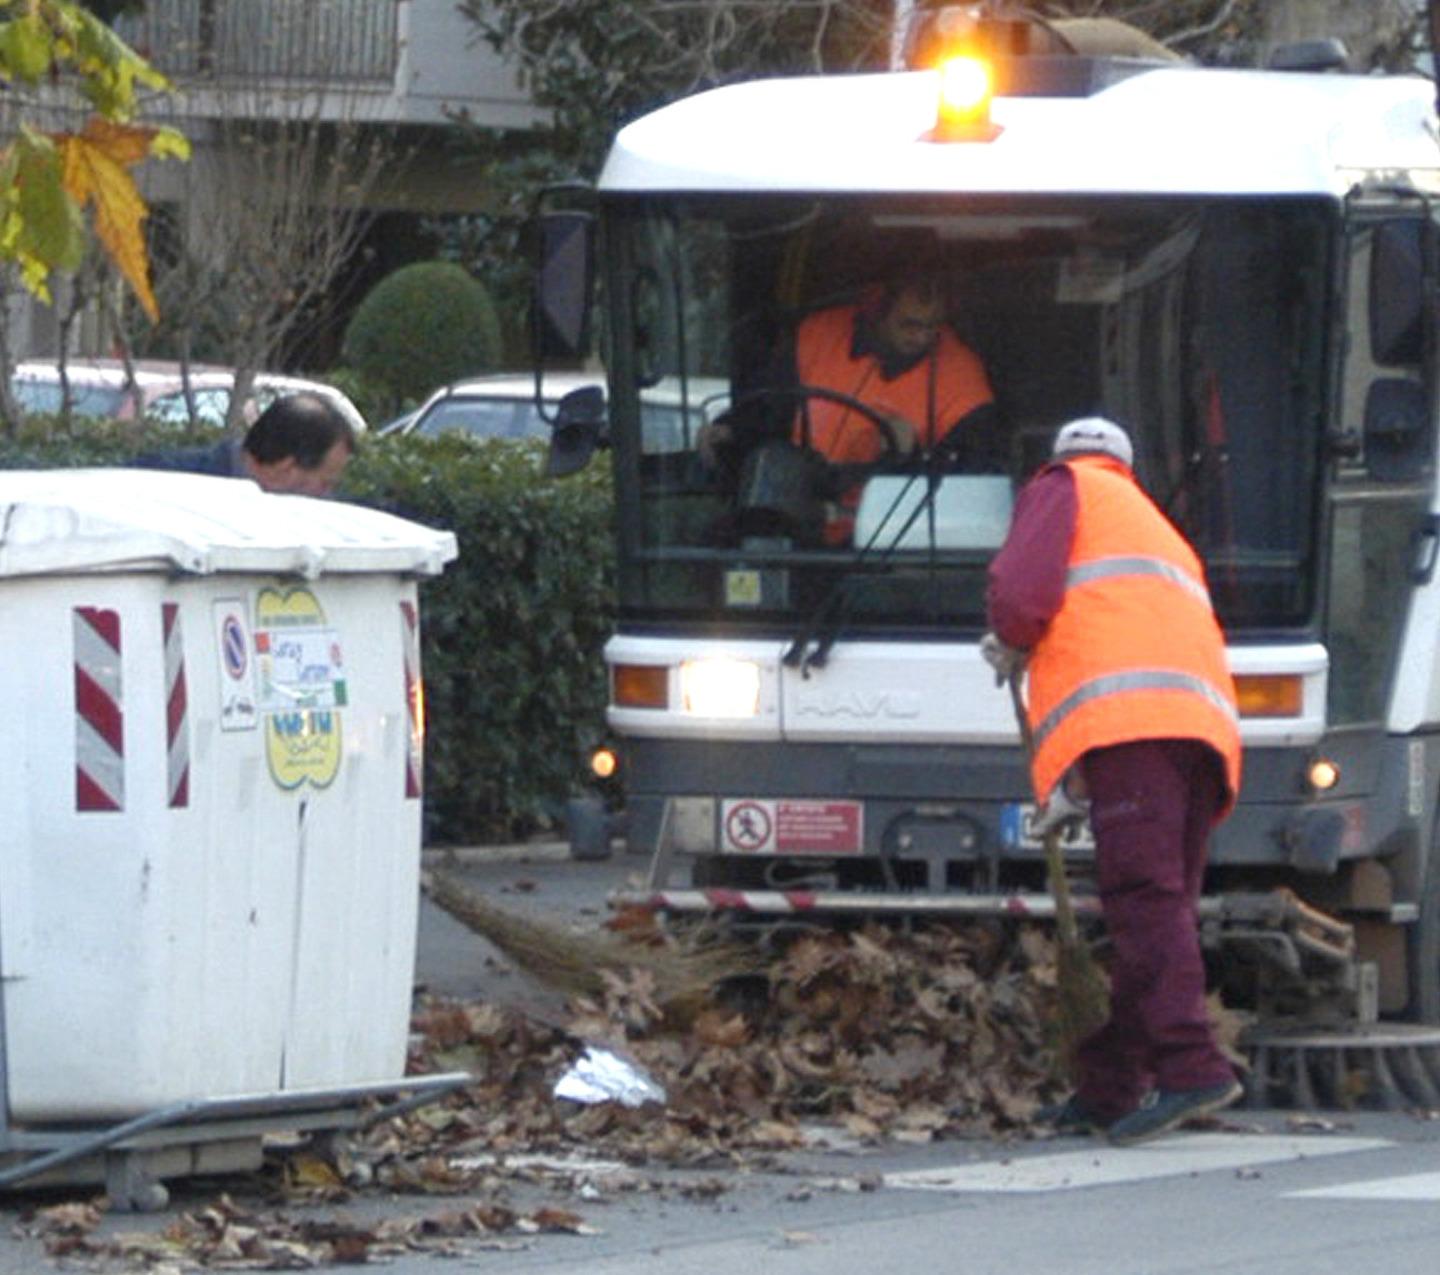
[238, 709]
[786, 826]
[299, 670]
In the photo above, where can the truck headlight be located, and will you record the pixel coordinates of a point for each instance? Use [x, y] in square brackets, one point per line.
[720, 687]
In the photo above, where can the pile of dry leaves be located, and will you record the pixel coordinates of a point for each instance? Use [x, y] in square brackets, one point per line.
[904, 1033]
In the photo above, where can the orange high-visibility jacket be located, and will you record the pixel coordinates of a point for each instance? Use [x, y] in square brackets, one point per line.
[1135, 651]
[932, 395]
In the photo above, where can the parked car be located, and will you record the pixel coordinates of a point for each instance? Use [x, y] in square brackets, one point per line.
[503, 406]
[100, 388]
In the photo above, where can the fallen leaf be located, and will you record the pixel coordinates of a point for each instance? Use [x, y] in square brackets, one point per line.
[562, 1220]
[794, 1239]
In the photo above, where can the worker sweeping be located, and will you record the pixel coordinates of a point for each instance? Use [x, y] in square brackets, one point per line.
[1132, 711]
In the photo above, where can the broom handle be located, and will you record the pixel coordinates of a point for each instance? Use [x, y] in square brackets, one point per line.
[1054, 860]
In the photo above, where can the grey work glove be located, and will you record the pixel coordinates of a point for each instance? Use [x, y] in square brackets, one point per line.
[1004, 659]
[1063, 808]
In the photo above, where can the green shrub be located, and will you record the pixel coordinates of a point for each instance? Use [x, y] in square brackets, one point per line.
[42, 441]
[511, 633]
[422, 326]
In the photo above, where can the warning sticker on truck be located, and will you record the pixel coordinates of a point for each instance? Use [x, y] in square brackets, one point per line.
[789, 826]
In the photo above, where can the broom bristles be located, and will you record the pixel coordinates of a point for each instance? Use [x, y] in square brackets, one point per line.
[573, 961]
[1083, 998]
[1083, 991]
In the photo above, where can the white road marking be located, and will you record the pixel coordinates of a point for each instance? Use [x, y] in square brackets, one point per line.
[1103, 1165]
[1415, 1186]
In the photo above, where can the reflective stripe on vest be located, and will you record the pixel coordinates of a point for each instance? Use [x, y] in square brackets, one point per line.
[1108, 568]
[1135, 650]
[1132, 680]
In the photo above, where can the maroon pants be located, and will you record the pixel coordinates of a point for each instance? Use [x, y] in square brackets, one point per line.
[1153, 804]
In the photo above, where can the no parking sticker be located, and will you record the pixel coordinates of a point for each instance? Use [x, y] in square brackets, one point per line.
[237, 671]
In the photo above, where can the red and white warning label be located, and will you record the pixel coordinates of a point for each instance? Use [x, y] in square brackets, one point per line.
[789, 826]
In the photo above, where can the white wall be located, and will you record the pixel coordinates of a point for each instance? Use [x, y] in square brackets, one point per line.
[445, 65]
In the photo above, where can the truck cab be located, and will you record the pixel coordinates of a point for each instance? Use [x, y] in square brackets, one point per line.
[1239, 266]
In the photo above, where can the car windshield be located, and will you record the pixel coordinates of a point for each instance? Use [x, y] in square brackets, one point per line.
[483, 418]
[1197, 324]
[211, 406]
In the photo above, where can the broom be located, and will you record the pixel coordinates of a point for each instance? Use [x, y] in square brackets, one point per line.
[1083, 991]
[685, 973]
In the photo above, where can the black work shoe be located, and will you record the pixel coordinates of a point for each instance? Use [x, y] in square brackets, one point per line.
[1167, 1109]
[1073, 1116]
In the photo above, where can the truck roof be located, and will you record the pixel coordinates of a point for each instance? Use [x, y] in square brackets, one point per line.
[1164, 130]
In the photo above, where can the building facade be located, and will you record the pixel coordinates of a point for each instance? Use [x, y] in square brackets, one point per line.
[340, 71]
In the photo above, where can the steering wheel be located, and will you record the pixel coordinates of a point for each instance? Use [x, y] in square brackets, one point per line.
[800, 393]
[782, 488]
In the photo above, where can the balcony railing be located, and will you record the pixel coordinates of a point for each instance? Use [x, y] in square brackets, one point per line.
[319, 40]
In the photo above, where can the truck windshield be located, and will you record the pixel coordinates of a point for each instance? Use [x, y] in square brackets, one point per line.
[866, 383]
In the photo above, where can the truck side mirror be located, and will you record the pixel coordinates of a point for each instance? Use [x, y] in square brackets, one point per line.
[1398, 284]
[1397, 429]
[581, 425]
[564, 284]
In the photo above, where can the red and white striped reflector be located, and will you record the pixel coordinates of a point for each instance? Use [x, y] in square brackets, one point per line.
[177, 709]
[414, 699]
[781, 902]
[99, 710]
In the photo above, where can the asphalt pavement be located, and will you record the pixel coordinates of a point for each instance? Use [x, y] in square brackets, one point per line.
[536, 880]
[1264, 1193]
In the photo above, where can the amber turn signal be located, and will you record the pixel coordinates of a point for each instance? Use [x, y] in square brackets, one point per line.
[1269, 694]
[640, 686]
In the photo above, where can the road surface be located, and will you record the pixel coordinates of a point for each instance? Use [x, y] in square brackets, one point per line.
[1270, 1193]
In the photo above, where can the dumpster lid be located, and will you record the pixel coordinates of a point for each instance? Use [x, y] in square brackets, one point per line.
[84, 520]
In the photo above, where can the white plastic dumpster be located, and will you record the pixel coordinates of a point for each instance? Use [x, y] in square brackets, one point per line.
[210, 791]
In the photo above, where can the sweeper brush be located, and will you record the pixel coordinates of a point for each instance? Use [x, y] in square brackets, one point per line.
[1387, 1066]
[686, 972]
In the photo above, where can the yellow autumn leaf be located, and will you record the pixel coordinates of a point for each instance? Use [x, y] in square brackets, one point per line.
[95, 168]
[169, 143]
[311, 1171]
[125, 143]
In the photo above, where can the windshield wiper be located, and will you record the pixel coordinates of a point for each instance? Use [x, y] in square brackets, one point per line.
[811, 646]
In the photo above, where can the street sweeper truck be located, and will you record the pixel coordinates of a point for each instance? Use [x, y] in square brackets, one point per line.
[1241, 267]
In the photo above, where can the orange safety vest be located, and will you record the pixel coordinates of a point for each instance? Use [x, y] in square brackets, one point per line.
[932, 395]
[1135, 651]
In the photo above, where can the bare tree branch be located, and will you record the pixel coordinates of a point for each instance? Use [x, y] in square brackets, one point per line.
[277, 202]
[1203, 29]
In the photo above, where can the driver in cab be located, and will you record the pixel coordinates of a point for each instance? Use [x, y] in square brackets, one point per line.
[893, 353]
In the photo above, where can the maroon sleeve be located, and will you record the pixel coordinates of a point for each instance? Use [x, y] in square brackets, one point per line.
[1027, 576]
